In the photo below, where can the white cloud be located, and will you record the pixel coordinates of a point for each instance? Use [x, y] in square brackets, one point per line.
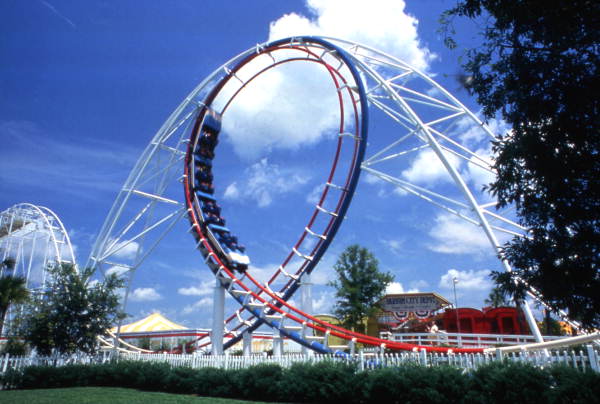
[427, 168]
[205, 288]
[454, 235]
[204, 303]
[126, 251]
[232, 191]
[478, 175]
[324, 303]
[118, 270]
[314, 195]
[467, 280]
[263, 182]
[144, 295]
[296, 103]
[394, 288]
[394, 246]
[397, 288]
[382, 24]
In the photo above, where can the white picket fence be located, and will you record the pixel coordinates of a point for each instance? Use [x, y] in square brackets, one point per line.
[588, 358]
[18, 362]
[583, 359]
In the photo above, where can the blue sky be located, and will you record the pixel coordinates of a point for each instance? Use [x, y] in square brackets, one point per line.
[85, 85]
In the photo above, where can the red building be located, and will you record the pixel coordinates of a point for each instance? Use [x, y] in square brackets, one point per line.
[498, 320]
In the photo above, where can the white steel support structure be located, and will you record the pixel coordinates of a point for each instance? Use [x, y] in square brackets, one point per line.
[307, 305]
[428, 121]
[35, 238]
[247, 343]
[431, 119]
[216, 335]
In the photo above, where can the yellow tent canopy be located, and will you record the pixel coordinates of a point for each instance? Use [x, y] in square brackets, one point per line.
[154, 322]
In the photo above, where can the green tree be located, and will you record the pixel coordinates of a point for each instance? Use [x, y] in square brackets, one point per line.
[359, 285]
[72, 311]
[13, 289]
[497, 298]
[537, 67]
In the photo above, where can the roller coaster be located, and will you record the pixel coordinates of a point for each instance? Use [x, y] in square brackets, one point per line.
[427, 117]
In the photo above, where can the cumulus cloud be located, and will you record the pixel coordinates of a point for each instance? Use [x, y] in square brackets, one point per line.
[205, 288]
[467, 280]
[324, 303]
[382, 24]
[115, 269]
[144, 295]
[296, 104]
[126, 250]
[202, 304]
[475, 171]
[393, 245]
[263, 182]
[454, 235]
[397, 288]
[427, 168]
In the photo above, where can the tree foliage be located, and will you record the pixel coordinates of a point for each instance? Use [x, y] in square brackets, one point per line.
[538, 67]
[13, 289]
[72, 311]
[359, 285]
[497, 298]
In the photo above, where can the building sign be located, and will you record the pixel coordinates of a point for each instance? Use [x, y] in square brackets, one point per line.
[413, 302]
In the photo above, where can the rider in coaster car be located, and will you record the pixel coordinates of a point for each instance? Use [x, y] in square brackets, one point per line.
[204, 174]
[206, 152]
[209, 139]
[212, 218]
[211, 206]
[206, 187]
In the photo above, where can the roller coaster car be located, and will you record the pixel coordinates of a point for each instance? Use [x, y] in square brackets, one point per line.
[234, 257]
[211, 207]
[212, 122]
[204, 175]
[201, 161]
[205, 187]
[214, 219]
[206, 153]
[208, 139]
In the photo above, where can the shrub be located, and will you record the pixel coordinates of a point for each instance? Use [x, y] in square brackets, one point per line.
[413, 383]
[182, 380]
[326, 381]
[259, 382]
[508, 382]
[214, 382]
[573, 386]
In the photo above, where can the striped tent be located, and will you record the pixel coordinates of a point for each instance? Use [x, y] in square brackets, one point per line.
[154, 322]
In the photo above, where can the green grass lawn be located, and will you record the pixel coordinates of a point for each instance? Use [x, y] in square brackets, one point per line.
[108, 395]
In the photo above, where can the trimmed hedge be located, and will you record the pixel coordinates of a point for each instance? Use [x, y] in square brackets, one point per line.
[328, 382]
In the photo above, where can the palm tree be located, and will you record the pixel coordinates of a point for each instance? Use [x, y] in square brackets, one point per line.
[497, 298]
[13, 290]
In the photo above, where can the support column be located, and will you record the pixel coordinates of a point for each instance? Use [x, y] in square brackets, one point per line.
[216, 335]
[306, 303]
[277, 344]
[531, 321]
[247, 341]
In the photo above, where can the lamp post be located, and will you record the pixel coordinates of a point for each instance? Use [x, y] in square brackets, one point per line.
[454, 282]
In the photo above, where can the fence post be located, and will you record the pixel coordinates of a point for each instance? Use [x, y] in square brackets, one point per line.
[423, 357]
[5, 365]
[593, 358]
[498, 355]
[361, 358]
